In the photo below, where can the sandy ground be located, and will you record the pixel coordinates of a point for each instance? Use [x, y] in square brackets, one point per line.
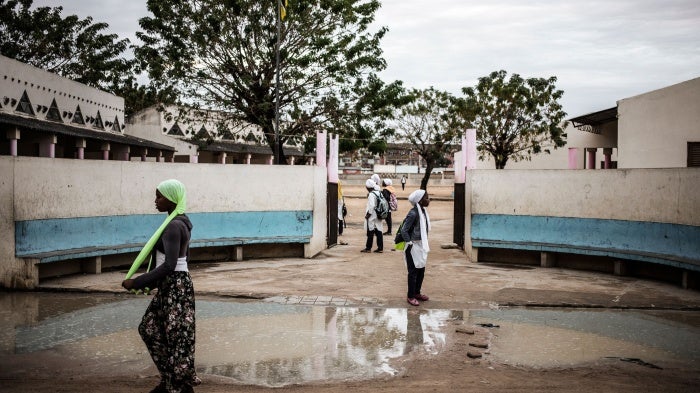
[451, 281]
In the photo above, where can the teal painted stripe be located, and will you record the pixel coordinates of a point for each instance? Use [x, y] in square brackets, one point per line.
[650, 241]
[51, 235]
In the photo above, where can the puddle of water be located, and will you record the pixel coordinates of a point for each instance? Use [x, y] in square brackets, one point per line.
[253, 343]
[273, 344]
[564, 338]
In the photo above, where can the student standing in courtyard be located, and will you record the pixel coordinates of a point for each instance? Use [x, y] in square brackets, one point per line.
[403, 182]
[415, 230]
[390, 195]
[373, 224]
[168, 326]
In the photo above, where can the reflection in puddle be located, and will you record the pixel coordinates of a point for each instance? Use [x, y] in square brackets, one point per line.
[253, 343]
[272, 344]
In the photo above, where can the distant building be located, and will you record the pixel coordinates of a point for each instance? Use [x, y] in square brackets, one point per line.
[45, 115]
[657, 129]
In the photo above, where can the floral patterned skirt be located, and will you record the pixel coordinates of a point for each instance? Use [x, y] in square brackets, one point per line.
[168, 330]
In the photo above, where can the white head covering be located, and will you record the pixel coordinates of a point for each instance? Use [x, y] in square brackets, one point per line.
[416, 196]
[370, 184]
[387, 182]
[375, 178]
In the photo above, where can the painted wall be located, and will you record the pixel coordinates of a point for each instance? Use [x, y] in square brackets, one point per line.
[119, 192]
[654, 127]
[652, 211]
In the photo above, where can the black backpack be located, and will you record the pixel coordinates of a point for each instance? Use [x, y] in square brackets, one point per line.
[382, 206]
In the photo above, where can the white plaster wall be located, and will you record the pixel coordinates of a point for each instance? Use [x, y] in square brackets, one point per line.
[654, 195]
[654, 127]
[42, 87]
[58, 188]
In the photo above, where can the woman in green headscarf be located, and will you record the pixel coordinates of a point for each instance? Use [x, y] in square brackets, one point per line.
[168, 326]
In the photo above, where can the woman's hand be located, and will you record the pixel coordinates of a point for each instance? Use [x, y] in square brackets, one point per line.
[128, 284]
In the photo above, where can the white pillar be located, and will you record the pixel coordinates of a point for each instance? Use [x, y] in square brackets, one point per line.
[471, 156]
[247, 158]
[333, 159]
[80, 144]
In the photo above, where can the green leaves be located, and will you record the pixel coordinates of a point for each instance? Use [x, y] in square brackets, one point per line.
[71, 47]
[220, 54]
[514, 117]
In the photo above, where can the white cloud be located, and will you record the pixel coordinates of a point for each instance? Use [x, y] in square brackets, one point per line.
[600, 51]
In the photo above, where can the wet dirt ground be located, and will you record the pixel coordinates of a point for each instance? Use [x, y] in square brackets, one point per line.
[341, 321]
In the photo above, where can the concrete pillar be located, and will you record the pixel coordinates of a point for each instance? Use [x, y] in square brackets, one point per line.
[13, 135]
[573, 158]
[144, 153]
[105, 151]
[474, 254]
[291, 160]
[222, 157]
[248, 158]
[80, 145]
[170, 156]
[47, 146]
[271, 160]
[92, 265]
[194, 158]
[620, 268]
[548, 259]
[237, 253]
[311, 161]
[591, 157]
[607, 153]
[159, 156]
[471, 157]
[121, 152]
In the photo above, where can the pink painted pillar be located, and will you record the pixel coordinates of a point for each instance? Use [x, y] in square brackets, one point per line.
[607, 153]
[248, 158]
[573, 158]
[591, 157]
[47, 146]
[271, 161]
[80, 145]
[222, 157]
[121, 153]
[470, 160]
[144, 154]
[320, 148]
[194, 158]
[13, 135]
[105, 151]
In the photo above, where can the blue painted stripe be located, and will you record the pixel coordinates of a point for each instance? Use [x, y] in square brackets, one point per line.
[51, 235]
[650, 241]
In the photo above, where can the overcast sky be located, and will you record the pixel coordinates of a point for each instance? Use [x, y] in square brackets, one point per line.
[599, 50]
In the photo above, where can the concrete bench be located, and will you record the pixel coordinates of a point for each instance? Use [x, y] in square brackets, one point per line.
[626, 241]
[89, 239]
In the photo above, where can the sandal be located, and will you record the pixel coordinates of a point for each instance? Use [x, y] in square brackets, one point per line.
[413, 301]
[421, 297]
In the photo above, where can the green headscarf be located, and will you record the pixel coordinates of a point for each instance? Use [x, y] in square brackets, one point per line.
[174, 191]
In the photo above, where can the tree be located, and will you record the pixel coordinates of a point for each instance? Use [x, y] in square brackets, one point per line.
[71, 47]
[514, 118]
[428, 122]
[221, 56]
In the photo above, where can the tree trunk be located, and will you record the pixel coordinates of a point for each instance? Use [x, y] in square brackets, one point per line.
[426, 175]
